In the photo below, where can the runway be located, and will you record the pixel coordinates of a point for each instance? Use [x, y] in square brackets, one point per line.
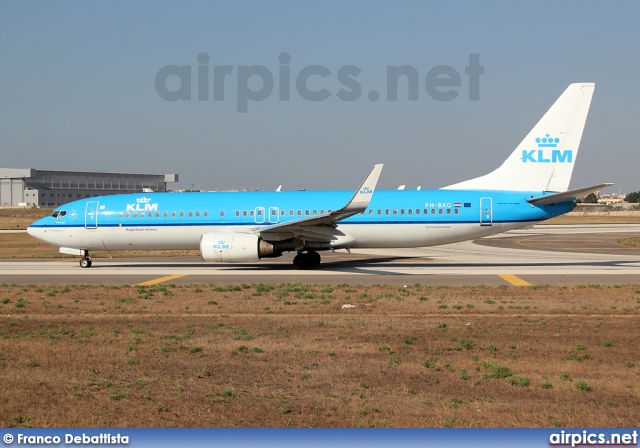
[554, 255]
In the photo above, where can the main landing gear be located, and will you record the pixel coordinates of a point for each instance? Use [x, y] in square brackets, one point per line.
[307, 260]
[85, 261]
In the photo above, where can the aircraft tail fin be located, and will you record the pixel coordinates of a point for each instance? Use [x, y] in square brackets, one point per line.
[544, 160]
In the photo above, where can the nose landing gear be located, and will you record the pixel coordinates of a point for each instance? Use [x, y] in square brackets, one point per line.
[85, 261]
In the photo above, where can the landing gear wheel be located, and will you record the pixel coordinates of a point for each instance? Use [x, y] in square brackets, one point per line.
[85, 262]
[314, 258]
[307, 260]
[300, 261]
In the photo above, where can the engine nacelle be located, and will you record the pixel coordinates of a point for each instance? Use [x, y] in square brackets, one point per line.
[233, 247]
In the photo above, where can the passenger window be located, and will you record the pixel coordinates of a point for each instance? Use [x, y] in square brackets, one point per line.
[386, 211]
[251, 213]
[190, 214]
[206, 213]
[198, 214]
[370, 212]
[455, 212]
[173, 214]
[322, 212]
[157, 214]
[181, 214]
[221, 213]
[149, 215]
[306, 212]
[259, 212]
[299, 212]
[283, 212]
[402, 211]
[417, 211]
[379, 212]
[237, 212]
[448, 211]
[166, 214]
[128, 214]
[290, 212]
[440, 211]
[315, 212]
[244, 213]
[395, 211]
[410, 211]
[135, 214]
[119, 214]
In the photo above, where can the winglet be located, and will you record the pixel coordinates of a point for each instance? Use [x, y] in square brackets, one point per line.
[361, 198]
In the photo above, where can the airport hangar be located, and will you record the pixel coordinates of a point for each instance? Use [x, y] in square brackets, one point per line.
[47, 188]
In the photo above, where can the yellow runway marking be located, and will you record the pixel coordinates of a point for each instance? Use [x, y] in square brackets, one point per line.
[516, 281]
[161, 280]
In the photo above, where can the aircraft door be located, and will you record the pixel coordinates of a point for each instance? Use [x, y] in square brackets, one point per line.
[91, 215]
[486, 212]
[259, 215]
[274, 215]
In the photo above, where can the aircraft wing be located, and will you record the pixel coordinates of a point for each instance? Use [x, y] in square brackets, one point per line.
[322, 227]
[567, 196]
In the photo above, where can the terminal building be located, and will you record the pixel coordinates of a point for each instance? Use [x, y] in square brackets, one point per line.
[46, 188]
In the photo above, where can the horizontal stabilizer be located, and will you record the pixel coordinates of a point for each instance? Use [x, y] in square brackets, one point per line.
[567, 196]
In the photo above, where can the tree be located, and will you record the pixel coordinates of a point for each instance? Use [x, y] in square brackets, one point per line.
[590, 199]
[633, 198]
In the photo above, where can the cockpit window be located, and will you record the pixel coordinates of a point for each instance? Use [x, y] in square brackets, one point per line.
[59, 213]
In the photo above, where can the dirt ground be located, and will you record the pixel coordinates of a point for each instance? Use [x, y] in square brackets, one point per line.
[297, 355]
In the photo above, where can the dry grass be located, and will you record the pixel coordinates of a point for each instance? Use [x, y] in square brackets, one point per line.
[593, 219]
[290, 355]
[20, 218]
[629, 241]
[22, 245]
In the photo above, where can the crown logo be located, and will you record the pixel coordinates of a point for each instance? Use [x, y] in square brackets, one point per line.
[221, 242]
[547, 142]
[143, 200]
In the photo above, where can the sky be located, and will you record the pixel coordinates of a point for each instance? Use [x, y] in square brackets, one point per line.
[249, 94]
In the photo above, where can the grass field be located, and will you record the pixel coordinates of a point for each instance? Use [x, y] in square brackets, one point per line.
[291, 355]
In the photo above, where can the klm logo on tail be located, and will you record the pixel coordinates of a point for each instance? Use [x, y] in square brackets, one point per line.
[544, 155]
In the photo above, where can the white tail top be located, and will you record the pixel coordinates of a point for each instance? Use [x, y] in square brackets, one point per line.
[544, 160]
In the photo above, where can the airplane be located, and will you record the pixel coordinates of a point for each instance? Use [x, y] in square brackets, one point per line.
[241, 227]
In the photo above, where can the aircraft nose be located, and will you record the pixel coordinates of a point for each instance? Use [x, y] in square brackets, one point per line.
[35, 229]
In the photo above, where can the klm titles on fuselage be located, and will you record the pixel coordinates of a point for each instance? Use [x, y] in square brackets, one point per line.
[142, 204]
[142, 207]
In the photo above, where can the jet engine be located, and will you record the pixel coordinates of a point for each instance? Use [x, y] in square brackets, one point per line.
[233, 247]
